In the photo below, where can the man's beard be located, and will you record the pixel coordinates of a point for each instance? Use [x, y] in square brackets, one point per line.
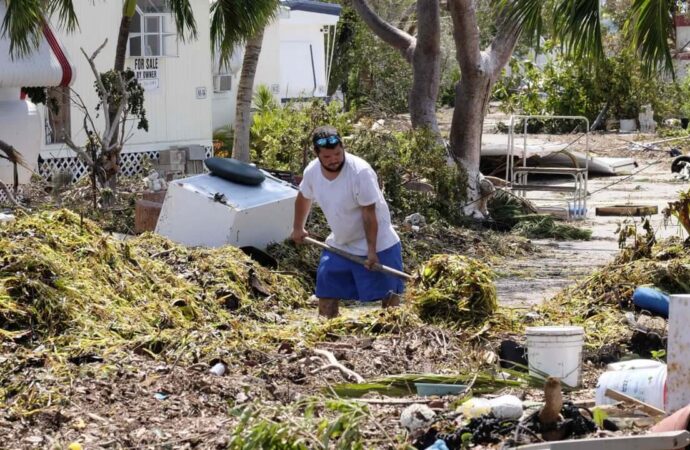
[328, 169]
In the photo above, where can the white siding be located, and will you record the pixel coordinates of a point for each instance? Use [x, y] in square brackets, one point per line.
[175, 115]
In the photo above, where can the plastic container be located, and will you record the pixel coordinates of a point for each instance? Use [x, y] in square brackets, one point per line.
[651, 300]
[556, 351]
[646, 385]
[634, 364]
[426, 389]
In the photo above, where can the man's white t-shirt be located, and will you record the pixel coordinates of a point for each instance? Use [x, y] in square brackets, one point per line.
[341, 201]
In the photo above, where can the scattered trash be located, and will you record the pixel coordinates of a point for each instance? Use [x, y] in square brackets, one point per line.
[652, 300]
[475, 407]
[154, 182]
[512, 355]
[506, 407]
[74, 446]
[416, 417]
[415, 219]
[675, 152]
[6, 218]
[160, 396]
[218, 369]
[440, 444]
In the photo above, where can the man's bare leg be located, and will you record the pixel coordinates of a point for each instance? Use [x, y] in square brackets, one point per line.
[328, 307]
[390, 301]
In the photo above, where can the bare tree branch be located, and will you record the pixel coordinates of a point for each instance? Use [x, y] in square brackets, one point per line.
[502, 46]
[101, 86]
[385, 31]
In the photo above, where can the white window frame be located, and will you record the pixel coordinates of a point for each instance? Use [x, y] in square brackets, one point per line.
[162, 18]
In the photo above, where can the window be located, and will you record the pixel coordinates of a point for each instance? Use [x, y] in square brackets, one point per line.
[152, 30]
[57, 117]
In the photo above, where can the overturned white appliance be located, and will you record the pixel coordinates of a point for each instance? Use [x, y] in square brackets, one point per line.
[205, 210]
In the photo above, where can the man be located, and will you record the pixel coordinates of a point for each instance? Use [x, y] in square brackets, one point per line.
[346, 188]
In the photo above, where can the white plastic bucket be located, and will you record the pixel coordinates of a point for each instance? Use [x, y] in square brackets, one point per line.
[646, 385]
[556, 351]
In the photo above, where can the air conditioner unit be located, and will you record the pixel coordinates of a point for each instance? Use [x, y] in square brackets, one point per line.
[222, 83]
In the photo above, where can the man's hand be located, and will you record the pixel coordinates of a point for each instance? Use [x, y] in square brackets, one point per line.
[371, 261]
[298, 235]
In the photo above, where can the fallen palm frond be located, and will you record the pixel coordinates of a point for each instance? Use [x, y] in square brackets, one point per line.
[507, 209]
[546, 227]
[454, 290]
[403, 385]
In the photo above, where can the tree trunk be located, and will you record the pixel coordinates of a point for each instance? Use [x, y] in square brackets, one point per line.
[243, 119]
[426, 66]
[128, 10]
[471, 98]
[479, 70]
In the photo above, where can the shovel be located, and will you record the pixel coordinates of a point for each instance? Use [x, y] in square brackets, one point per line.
[358, 259]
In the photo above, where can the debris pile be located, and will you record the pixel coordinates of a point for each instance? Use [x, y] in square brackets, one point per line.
[455, 290]
[78, 295]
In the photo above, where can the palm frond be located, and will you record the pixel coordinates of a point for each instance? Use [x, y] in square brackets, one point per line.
[23, 24]
[525, 15]
[650, 26]
[67, 17]
[184, 18]
[24, 21]
[578, 25]
[235, 21]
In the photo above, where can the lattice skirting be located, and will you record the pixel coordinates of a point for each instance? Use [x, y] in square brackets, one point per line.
[131, 164]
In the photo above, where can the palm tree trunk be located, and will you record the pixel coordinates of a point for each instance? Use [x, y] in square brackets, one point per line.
[128, 10]
[243, 119]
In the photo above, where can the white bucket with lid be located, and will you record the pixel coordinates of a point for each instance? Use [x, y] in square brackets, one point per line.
[556, 351]
[647, 385]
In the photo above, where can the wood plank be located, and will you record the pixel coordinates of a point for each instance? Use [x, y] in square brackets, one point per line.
[621, 397]
[627, 210]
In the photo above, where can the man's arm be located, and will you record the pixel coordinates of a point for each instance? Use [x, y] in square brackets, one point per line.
[371, 231]
[302, 208]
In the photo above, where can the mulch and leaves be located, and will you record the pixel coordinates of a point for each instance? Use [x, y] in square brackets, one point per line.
[109, 342]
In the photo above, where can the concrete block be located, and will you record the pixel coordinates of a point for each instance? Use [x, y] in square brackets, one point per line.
[172, 156]
[196, 153]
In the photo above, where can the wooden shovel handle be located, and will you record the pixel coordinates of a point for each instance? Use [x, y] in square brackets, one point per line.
[358, 259]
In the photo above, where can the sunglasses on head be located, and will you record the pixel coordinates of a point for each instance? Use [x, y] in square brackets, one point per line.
[328, 142]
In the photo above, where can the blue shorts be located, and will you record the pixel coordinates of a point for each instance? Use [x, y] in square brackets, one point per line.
[343, 279]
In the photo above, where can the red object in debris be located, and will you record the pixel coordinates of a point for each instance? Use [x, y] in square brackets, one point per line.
[677, 421]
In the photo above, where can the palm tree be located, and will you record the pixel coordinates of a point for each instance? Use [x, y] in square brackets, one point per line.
[236, 22]
[23, 22]
[575, 22]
